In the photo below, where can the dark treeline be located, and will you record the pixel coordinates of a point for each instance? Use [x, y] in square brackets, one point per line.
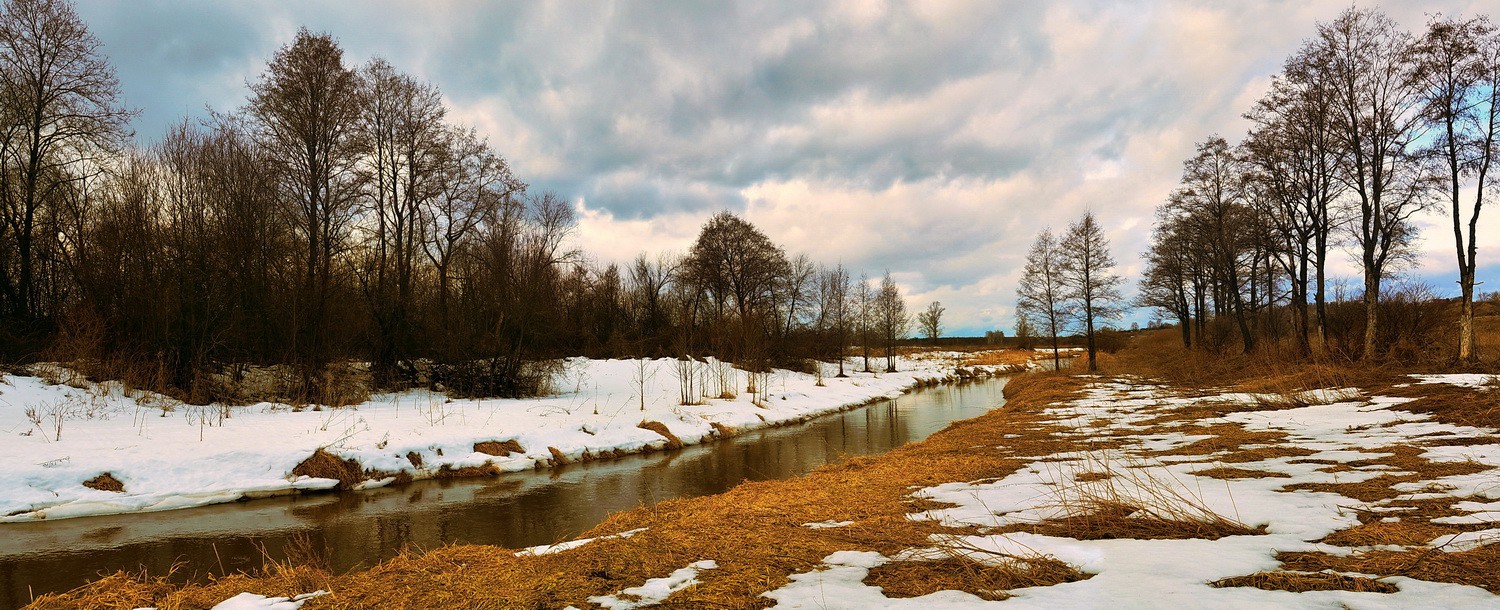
[340, 215]
[1365, 127]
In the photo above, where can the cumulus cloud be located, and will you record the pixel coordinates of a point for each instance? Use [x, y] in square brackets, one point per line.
[931, 139]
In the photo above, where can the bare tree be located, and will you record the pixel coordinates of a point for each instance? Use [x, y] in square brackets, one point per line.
[305, 108]
[739, 268]
[891, 320]
[1088, 277]
[1041, 296]
[836, 312]
[1211, 203]
[1458, 68]
[864, 318]
[1377, 120]
[1294, 157]
[60, 117]
[930, 321]
[403, 141]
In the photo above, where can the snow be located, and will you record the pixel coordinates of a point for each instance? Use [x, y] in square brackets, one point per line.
[656, 590]
[170, 455]
[252, 601]
[1128, 573]
[1467, 380]
[548, 549]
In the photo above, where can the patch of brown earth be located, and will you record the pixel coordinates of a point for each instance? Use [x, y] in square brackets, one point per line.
[499, 448]
[105, 482]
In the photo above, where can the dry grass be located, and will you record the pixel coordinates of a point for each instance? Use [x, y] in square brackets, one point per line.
[499, 448]
[1237, 473]
[1106, 520]
[1409, 467]
[1451, 404]
[1007, 357]
[1380, 532]
[105, 482]
[1474, 567]
[960, 572]
[1301, 582]
[347, 471]
[1226, 437]
[324, 465]
[655, 426]
[124, 591]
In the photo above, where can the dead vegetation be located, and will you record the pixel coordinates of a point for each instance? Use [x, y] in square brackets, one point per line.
[105, 482]
[1474, 567]
[1237, 473]
[1301, 582]
[990, 580]
[1408, 466]
[499, 448]
[655, 426]
[1113, 520]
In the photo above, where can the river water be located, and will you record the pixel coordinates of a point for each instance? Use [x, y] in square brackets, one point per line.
[514, 510]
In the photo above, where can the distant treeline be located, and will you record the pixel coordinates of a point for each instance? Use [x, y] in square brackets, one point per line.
[1365, 127]
[339, 215]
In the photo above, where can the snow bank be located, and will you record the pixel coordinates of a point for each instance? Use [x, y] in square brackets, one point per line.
[168, 455]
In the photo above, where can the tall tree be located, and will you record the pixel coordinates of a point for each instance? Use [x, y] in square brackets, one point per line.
[1089, 278]
[891, 319]
[306, 107]
[1377, 121]
[61, 117]
[1458, 68]
[404, 145]
[739, 268]
[1212, 202]
[837, 311]
[1295, 157]
[1041, 297]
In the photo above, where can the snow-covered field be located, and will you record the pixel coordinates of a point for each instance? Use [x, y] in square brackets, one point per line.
[168, 455]
[1133, 573]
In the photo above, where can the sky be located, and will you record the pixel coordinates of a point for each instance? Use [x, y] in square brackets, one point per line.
[930, 139]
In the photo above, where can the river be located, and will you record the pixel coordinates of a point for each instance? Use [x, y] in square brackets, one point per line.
[514, 510]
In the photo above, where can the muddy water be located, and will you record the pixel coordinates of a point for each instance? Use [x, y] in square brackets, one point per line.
[514, 510]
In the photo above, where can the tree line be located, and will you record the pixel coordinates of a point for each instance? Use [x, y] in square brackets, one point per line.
[1365, 127]
[340, 214]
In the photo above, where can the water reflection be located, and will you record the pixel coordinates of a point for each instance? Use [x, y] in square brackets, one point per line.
[516, 510]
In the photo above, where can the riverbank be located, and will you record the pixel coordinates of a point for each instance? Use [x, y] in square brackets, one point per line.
[1093, 491]
[82, 448]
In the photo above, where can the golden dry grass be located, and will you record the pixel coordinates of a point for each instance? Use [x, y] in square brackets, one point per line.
[499, 448]
[1300, 582]
[105, 482]
[1381, 532]
[1114, 520]
[1474, 567]
[1237, 473]
[961, 573]
[1409, 467]
[1007, 357]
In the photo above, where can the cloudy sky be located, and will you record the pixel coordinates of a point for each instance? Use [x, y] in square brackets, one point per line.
[932, 139]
